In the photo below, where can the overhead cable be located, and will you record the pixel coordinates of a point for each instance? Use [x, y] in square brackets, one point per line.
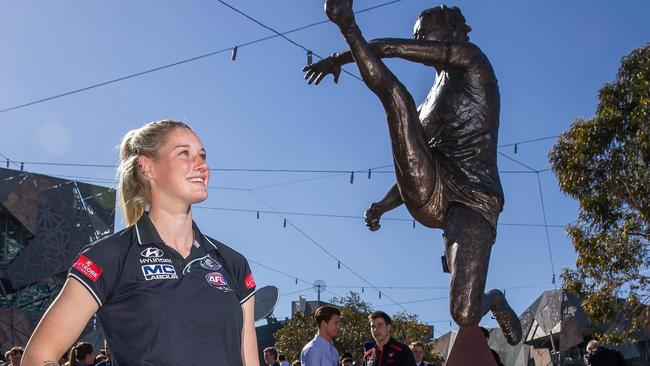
[180, 62]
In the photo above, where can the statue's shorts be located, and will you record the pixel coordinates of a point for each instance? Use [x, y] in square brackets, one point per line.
[448, 190]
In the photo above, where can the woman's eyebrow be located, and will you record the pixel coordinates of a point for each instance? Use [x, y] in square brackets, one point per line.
[186, 146]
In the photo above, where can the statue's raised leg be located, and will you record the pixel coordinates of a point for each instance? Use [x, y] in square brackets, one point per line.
[413, 162]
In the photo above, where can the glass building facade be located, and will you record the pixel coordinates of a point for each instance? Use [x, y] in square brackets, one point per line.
[44, 223]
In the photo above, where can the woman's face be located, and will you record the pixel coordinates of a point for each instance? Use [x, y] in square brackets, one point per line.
[179, 173]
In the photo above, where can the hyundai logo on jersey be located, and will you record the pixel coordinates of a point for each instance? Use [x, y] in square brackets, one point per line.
[152, 253]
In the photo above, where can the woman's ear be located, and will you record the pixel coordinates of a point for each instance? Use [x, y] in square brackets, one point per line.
[144, 165]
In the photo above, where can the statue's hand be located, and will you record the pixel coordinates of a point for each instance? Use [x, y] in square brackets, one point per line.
[372, 216]
[314, 73]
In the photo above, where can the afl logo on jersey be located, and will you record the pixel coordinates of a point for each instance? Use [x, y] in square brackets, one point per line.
[152, 252]
[215, 279]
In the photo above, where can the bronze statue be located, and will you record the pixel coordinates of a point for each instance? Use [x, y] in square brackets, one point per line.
[444, 151]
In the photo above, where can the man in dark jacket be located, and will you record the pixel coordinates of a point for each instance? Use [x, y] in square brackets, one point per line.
[385, 350]
[598, 355]
[486, 334]
[271, 356]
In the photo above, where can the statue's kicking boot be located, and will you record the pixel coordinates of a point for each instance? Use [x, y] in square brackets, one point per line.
[506, 317]
[340, 12]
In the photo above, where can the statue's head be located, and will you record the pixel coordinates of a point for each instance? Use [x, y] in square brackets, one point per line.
[441, 23]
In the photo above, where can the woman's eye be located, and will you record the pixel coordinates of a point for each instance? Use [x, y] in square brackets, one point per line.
[184, 152]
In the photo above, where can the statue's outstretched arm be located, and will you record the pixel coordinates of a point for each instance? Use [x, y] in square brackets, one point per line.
[431, 53]
[391, 200]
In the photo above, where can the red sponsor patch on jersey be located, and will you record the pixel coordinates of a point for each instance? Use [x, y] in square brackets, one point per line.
[249, 281]
[88, 268]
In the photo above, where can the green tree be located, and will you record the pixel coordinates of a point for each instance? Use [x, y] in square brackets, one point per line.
[356, 329]
[407, 328]
[290, 339]
[603, 163]
[436, 359]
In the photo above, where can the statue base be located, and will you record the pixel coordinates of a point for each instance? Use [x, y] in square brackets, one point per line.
[470, 349]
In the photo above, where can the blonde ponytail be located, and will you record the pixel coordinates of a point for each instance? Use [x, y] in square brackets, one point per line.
[134, 194]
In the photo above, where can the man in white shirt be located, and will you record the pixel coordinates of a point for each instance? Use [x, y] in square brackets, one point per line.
[320, 351]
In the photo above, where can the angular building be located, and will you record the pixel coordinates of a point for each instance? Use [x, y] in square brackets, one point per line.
[555, 332]
[44, 222]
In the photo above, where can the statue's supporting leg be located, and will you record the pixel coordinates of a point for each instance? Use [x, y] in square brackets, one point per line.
[468, 241]
[414, 166]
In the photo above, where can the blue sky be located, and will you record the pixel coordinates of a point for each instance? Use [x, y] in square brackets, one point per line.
[257, 112]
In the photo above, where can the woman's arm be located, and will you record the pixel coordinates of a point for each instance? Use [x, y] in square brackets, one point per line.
[61, 325]
[248, 336]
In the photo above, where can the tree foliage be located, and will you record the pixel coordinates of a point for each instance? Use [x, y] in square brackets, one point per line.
[355, 331]
[407, 328]
[290, 339]
[603, 163]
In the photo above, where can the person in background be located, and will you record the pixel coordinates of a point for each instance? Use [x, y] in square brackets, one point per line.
[497, 359]
[14, 356]
[347, 361]
[348, 355]
[83, 354]
[385, 350]
[418, 353]
[320, 351]
[295, 363]
[283, 360]
[597, 355]
[271, 356]
[109, 355]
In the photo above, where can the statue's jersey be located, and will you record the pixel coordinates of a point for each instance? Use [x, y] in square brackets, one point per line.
[460, 119]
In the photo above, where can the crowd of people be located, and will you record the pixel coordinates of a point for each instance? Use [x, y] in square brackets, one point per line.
[82, 354]
[320, 351]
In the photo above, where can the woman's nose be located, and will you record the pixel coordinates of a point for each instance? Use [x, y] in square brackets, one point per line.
[200, 164]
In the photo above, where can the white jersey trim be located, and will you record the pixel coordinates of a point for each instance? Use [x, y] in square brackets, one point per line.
[247, 297]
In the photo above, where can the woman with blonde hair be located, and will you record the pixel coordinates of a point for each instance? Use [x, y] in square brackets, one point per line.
[165, 294]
